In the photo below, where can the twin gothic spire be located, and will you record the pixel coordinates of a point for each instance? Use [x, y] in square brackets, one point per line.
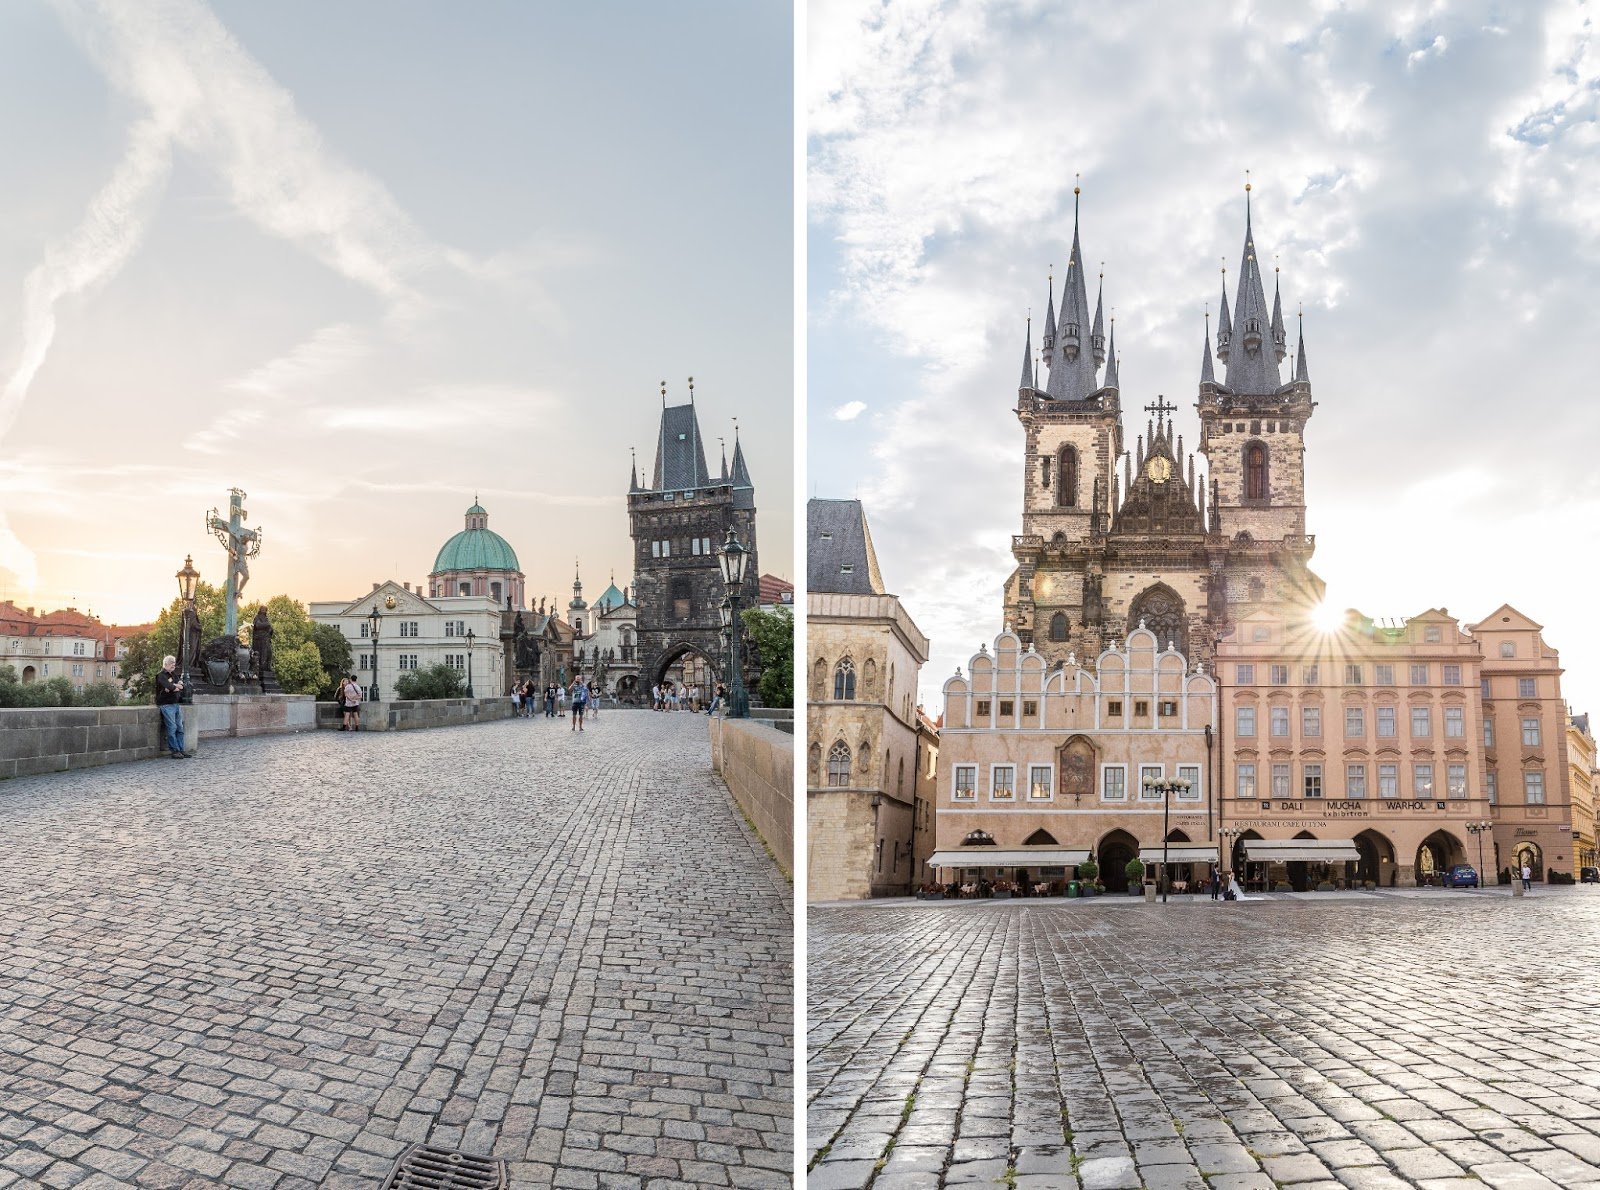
[1251, 342]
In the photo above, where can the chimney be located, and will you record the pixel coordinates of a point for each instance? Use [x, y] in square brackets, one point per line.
[30, 611]
[375, 586]
[408, 584]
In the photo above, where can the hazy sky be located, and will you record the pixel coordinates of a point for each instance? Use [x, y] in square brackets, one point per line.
[1425, 174]
[365, 260]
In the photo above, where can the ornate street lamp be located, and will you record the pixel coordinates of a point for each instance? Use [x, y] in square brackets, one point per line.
[188, 624]
[1228, 835]
[1166, 787]
[374, 620]
[1478, 829]
[471, 636]
[733, 559]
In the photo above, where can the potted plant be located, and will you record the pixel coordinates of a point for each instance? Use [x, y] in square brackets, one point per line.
[1135, 870]
[1087, 872]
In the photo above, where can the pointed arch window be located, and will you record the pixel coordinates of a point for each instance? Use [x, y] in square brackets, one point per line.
[1255, 471]
[1067, 477]
[839, 764]
[1058, 626]
[844, 680]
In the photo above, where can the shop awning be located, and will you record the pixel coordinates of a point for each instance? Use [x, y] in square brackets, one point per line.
[1313, 851]
[1181, 853]
[1013, 857]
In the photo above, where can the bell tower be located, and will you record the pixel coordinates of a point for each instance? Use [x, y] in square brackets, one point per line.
[1073, 438]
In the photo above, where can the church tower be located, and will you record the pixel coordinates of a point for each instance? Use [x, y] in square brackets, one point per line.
[1252, 433]
[1073, 437]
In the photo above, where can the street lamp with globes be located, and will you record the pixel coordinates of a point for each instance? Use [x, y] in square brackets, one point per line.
[471, 636]
[1165, 787]
[1478, 829]
[189, 624]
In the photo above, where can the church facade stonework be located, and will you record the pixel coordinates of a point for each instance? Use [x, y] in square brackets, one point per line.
[1323, 751]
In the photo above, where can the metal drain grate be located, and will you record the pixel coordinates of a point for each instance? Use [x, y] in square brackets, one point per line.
[427, 1168]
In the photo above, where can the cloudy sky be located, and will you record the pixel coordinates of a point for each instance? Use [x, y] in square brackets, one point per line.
[365, 260]
[1424, 174]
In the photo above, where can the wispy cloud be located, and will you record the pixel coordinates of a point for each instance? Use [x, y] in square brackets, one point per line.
[849, 411]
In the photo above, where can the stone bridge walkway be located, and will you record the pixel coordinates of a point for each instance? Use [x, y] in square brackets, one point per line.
[285, 961]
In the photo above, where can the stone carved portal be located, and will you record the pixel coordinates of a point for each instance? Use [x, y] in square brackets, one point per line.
[1077, 768]
[1163, 614]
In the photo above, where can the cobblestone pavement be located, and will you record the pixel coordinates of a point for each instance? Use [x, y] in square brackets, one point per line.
[1444, 1041]
[284, 962]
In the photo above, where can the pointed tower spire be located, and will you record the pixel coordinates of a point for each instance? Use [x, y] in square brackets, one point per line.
[1111, 359]
[1097, 337]
[1224, 323]
[723, 443]
[1027, 357]
[633, 470]
[1049, 340]
[1300, 372]
[1279, 340]
[1252, 366]
[1072, 362]
[1207, 376]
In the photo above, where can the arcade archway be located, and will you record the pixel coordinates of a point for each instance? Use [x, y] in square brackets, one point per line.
[1116, 849]
[1435, 856]
[686, 665]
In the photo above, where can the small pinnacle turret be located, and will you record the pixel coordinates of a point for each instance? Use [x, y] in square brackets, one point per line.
[1300, 373]
[1207, 375]
[1027, 358]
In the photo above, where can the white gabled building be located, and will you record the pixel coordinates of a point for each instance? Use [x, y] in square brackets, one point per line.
[415, 632]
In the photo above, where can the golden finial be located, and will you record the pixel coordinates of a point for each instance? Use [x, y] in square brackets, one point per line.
[1247, 181]
[691, 388]
[1274, 262]
[1076, 188]
[1102, 270]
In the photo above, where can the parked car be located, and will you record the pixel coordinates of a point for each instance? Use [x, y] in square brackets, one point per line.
[1461, 876]
[1589, 875]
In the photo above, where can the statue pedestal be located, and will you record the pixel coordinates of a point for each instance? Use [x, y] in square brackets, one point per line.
[220, 716]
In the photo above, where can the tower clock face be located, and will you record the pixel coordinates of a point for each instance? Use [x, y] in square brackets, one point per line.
[1159, 470]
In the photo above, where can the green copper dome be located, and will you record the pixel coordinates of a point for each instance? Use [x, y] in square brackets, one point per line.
[477, 547]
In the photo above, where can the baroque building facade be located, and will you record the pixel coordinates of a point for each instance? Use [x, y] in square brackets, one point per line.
[679, 522]
[864, 750]
[1350, 751]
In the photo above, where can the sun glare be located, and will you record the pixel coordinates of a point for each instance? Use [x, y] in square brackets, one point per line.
[1327, 617]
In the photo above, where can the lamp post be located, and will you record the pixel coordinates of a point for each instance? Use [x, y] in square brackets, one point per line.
[1166, 787]
[471, 636]
[732, 560]
[1477, 829]
[374, 620]
[1228, 836]
[189, 624]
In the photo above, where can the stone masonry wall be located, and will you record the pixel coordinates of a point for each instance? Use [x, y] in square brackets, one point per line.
[756, 761]
[53, 739]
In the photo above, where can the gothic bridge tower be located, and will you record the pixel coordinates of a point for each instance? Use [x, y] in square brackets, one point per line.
[678, 523]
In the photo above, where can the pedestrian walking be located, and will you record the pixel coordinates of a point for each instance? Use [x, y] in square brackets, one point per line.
[561, 701]
[516, 701]
[550, 701]
[1216, 883]
[169, 698]
[580, 702]
[1527, 877]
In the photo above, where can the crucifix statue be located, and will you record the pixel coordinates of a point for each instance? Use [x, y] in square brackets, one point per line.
[242, 544]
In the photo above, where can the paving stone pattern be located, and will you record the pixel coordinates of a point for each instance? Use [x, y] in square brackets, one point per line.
[284, 962]
[1366, 1044]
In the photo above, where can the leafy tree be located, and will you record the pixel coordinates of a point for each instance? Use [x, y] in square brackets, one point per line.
[437, 681]
[334, 650]
[143, 659]
[299, 669]
[54, 692]
[100, 694]
[772, 634]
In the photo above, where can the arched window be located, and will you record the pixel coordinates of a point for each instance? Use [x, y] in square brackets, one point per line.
[1162, 612]
[1067, 473]
[839, 764]
[844, 680]
[1255, 471]
[1058, 626]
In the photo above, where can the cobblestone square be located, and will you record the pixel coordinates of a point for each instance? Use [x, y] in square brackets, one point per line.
[1442, 1040]
[284, 962]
